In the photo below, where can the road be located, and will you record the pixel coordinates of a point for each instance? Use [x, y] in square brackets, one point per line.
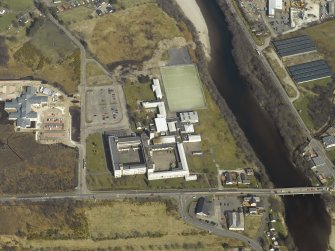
[115, 194]
[183, 209]
[314, 143]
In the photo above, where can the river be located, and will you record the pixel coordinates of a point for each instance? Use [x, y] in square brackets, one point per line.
[306, 216]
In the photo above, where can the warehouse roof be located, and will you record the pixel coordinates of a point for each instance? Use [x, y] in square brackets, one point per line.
[293, 46]
[309, 71]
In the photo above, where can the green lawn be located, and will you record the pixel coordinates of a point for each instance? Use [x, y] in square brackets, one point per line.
[6, 20]
[52, 42]
[19, 5]
[320, 82]
[76, 14]
[95, 160]
[302, 107]
[137, 92]
[331, 154]
[183, 88]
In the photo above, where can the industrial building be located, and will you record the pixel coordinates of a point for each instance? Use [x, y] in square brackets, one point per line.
[274, 5]
[21, 108]
[127, 156]
[294, 46]
[235, 221]
[306, 72]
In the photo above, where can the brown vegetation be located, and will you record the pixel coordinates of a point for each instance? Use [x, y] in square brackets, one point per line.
[29, 167]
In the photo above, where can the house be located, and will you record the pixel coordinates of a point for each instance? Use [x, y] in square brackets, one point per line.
[253, 210]
[235, 221]
[109, 9]
[203, 207]
[317, 162]
[328, 141]
[229, 178]
[271, 218]
[249, 171]
[271, 227]
[99, 12]
[244, 179]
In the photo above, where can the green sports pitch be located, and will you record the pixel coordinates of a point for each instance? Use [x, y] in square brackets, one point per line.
[183, 88]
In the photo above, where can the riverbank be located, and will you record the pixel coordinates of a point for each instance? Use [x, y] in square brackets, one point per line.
[193, 13]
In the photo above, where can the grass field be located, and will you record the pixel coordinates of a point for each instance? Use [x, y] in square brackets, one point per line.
[183, 88]
[75, 15]
[95, 154]
[219, 146]
[127, 34]
[116, 225]
[31, 57]
[137, 92]
[251, 226]
[301, 105]
[29, 167]
[14, 8]
[52, 43]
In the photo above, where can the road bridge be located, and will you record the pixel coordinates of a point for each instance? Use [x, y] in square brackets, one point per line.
[115, 194]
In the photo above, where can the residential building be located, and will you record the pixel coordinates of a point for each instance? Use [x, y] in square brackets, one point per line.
[253, 210]
[328, 141]
[318, 161]
[203, 207]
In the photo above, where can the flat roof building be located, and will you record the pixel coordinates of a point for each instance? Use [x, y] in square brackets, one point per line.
[127, 156]
[306, 72]
[161, 125]
[189, 117]
[274, 5]
[156, 88]
[294, 46]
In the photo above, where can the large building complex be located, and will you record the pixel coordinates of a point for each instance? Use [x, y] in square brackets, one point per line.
[127, 156]
[21, 108]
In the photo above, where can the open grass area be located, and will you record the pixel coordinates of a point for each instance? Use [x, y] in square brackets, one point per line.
[127, 34]
[75, 15]
[301, 105]
[320, 82]
[29, 167]
[29, 56]
[117, 225]
[219, 146]
[331, 154]
[323, 36]
[183, 88]
[95, 154]
[138, 92]
[93, 70]
[14, 8]
[251, 226]
[52, 42]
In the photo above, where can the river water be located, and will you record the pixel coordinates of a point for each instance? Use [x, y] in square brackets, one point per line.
[306, 216]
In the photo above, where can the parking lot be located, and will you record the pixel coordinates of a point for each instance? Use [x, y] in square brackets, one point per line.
[102, 106]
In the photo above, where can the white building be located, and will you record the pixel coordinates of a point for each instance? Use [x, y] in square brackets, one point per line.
[156, 88]
[189, 117]
[161, 125]
[164, 140]
[193, 138]
[274, 5]
[183, 171]
[158, 105]
[172, 126]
